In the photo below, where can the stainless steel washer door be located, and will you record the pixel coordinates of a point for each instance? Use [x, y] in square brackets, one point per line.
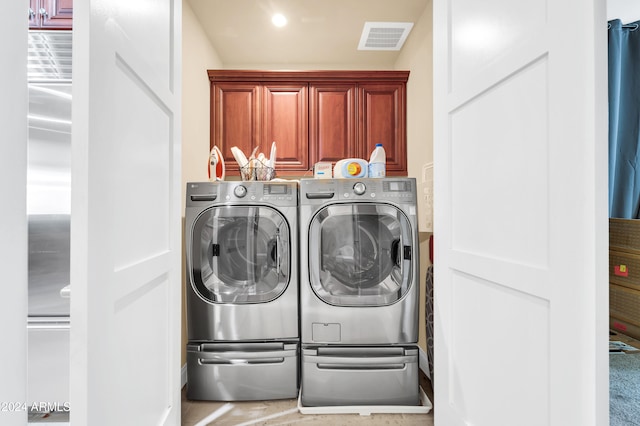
[240, 254]
[364, 254]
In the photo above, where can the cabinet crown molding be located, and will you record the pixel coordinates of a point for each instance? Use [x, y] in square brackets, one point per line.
[307, 76]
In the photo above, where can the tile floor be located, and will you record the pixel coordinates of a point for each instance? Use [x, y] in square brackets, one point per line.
[285, 412]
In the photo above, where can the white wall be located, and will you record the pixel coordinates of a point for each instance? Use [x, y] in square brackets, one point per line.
[625, 10]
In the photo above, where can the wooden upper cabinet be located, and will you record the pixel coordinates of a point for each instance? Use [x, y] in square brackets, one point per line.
[332, 123]
[51, 14]
[381, 118]
[285, 121]
[250, 115]
[311, 115]
[235, 119]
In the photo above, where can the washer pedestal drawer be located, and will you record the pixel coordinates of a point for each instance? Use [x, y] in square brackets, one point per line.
[360, 376]
[242, 371]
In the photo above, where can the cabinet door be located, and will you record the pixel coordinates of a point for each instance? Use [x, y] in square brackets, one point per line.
[51, 14]
[381, 119]
[235, 119]
[332, 122]
[285, 120]
[34, 16]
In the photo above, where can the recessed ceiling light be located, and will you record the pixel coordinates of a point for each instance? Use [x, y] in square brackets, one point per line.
[279, 20]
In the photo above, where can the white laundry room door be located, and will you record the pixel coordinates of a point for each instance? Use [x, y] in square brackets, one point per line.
[521, 228]
[13, 216]
[126, 221]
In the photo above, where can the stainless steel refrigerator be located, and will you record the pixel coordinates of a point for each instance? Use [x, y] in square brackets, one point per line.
[49, 214]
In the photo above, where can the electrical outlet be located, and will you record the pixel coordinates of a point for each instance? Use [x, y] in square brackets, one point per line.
[427, 198]
[427, 173]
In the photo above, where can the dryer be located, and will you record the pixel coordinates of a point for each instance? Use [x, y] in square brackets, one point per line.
[242, 293]
[359, 292]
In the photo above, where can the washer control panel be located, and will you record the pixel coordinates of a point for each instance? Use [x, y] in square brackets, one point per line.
[320, 191]
[246, 192]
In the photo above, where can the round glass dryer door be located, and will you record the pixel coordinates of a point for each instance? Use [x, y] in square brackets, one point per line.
[360, 254]
[240, 254]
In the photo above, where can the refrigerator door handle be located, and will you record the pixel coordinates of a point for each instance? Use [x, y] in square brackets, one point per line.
[65, 292]
[52, 323]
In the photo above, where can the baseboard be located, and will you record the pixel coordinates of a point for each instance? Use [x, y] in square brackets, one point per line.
[183, 376]
[423, 361]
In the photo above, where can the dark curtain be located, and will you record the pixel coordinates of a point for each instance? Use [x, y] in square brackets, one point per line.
[624, 120]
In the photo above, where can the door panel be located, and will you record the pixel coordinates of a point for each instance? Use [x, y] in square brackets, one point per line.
[125, 232]
[59, 13]
[481, 308]
[285, 117]
[235, 118]
[481, 34]
[486, 183]
[332, 127]
[381, 119]
[520, 213]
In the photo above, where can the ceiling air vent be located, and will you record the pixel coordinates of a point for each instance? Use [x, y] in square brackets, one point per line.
[384, 35]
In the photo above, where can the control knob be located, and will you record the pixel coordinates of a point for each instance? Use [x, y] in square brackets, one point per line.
[240, 191]
[359, 188]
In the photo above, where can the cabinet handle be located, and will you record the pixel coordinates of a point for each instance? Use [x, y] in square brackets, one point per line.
[32, 14]
[43, 13]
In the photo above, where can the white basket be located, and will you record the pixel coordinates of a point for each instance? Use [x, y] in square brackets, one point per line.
[256, 170]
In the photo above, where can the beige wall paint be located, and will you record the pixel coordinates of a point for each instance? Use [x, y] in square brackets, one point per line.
[416, 56]
[197, 57]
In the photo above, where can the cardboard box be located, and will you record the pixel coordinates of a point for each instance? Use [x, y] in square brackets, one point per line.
[322, 170]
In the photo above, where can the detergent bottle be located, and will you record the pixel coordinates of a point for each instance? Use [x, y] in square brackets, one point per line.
[350, 168]
[378, 162]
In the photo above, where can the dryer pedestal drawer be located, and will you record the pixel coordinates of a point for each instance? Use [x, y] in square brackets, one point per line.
[242, 371]
[360, 376]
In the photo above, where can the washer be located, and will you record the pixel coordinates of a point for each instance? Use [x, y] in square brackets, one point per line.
[359, 292]
[242, 298]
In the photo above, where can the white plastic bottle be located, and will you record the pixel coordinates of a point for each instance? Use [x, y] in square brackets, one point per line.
[378, 162]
